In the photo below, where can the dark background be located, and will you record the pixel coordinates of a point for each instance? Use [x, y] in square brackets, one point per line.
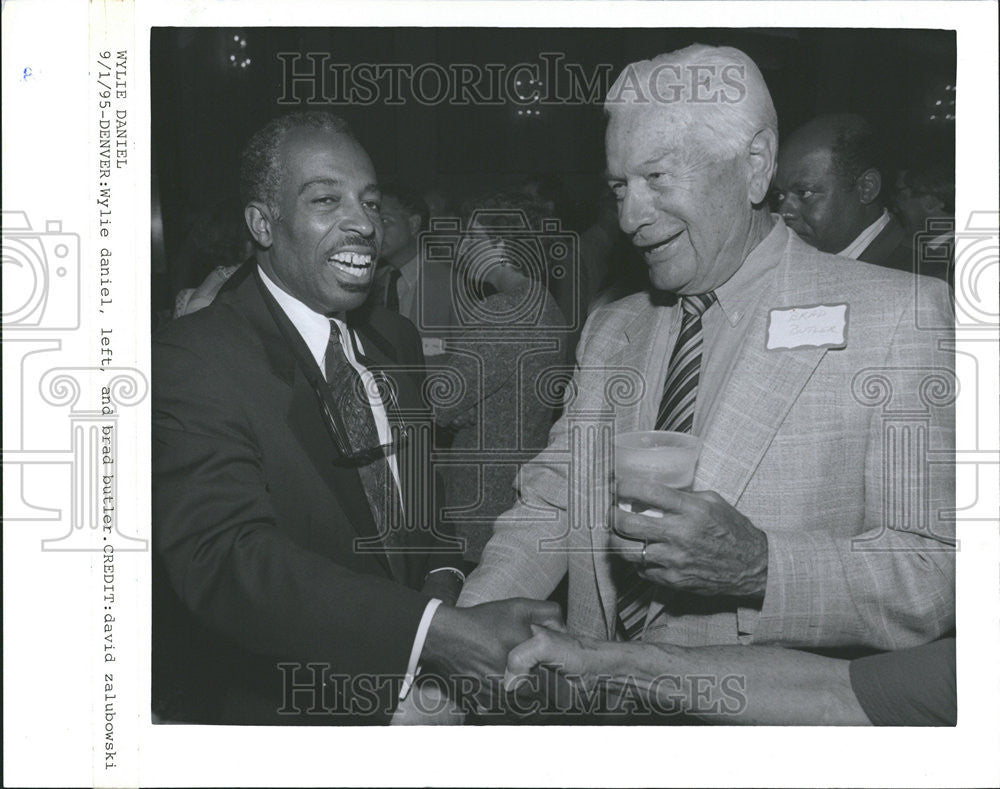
[205, 105]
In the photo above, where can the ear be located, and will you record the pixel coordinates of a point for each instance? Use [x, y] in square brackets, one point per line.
[414, 222]
[763, 159]
[868, 186]
[259, 220]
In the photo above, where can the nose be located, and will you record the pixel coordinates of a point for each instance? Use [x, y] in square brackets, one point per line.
[360, 220]
[788, 207]
[635, 210]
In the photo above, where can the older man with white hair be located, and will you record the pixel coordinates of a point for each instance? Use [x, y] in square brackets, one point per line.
[821, 390]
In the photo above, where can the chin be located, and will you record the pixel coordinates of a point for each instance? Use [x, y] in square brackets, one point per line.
[345, 301]
[667, 277]
[803, 233]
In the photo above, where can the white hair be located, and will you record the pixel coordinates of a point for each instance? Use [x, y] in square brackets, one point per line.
[714, 90]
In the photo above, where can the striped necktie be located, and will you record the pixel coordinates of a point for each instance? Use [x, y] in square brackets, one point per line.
[676, 412]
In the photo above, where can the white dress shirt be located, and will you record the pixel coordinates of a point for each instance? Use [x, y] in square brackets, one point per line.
[860, 244]
[315, 331]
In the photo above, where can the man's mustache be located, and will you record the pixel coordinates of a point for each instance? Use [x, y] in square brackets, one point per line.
[356, 242]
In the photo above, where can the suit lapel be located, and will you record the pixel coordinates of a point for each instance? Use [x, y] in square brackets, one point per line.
[646, 345]
[404, 407]
[292, 364]
[380, 355]
[760, 390]
[647, 339]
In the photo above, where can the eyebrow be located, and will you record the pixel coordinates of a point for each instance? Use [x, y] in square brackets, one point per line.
[659, 156]
[799, 183]
[656, 158]
[369, 187]
[319, 182]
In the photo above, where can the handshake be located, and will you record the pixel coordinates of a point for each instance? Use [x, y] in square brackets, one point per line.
[470, 646]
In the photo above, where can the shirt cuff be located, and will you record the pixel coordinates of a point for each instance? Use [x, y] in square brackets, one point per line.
[413, 668]
[455, 570]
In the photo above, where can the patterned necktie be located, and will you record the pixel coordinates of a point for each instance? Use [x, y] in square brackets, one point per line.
[348, 392]
[676, 412]
[392, 289]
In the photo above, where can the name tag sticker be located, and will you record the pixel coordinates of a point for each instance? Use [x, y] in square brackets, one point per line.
[811, 326]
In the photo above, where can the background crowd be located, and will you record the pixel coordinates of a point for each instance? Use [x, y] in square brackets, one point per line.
[902, 83]
[498, 283]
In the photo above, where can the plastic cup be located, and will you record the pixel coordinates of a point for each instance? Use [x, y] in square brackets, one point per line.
[659, 456]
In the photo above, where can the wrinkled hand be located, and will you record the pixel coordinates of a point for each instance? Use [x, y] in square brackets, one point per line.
[474, 642]
[582, 661]
[701, 545]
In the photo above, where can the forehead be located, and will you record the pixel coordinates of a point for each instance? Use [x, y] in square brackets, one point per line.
[312, 154]
[391, 205]
[799, 163]
[637, 135]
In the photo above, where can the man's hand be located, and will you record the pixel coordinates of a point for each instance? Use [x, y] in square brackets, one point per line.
[701, 544]
[474, 642]
[581, 660]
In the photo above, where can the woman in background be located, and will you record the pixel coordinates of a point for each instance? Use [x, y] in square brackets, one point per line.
[508, 359]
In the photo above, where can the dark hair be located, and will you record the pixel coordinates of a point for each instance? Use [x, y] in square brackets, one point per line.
[855, 147]
[260, 177]
[507, 212]
[934, 180]
[410, 200]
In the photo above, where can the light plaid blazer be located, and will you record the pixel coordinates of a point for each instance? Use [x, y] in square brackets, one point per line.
[844, 457]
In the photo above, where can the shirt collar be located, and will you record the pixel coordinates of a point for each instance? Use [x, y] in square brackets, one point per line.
[740, 292]
[860, 244]
[314, 327]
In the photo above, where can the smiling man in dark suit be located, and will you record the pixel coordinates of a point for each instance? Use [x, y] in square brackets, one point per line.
[293, 553]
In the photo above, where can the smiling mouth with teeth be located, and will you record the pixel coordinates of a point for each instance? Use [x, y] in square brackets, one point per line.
[654, 248]
[355, 264]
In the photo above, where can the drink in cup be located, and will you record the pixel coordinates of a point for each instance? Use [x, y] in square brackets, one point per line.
[658, 456]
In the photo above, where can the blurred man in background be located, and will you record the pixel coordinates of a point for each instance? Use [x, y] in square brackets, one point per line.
[830, 190]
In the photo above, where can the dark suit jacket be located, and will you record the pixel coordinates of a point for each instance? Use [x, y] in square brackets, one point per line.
[890, 248]
[894, 248]
[255, 522]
